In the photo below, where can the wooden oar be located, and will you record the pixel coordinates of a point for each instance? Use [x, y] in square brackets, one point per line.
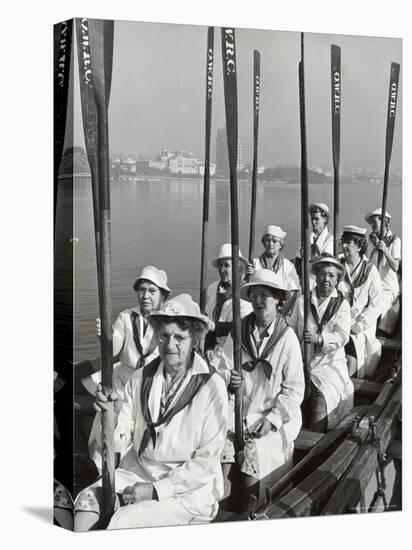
[304, 211]
[336, 106]
[101, 53]
[206, 175]
[230, 89]
[89, 113]
[390, 126]
[256, 101]
[62, 56]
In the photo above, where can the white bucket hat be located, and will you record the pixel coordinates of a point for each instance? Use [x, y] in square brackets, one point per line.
[329, 260]
[262, 277]
[225, 251]
[360, 231]
[319, 206]
[156, 276]
[274, 230]
[182, 306]
[376, 212]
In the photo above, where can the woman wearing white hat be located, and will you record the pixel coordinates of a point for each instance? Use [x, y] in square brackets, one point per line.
[327, 332]
[390, 247]
[321, 241]
[219, 293]
[171, 428]
[363, 288]
[273, 241]
[133, 341]
[272, 382]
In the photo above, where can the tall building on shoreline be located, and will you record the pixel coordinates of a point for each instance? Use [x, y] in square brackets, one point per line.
[222, 163]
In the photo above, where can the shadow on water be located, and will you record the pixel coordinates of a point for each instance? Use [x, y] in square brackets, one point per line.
[44, 513]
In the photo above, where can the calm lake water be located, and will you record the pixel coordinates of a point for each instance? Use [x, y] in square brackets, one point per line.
[159, 223]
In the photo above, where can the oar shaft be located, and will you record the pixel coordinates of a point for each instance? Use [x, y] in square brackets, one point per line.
[336, 106]
[230, 89]
[206, 176]
[304, 210]
[256, 105]
[101, 50]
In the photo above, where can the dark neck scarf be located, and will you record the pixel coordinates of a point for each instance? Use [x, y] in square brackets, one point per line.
[362, 274]
[193, 386]
[136, 337]
[221, 298]
[247, 326]
[331, 310]
[277, 264]
[314, 248]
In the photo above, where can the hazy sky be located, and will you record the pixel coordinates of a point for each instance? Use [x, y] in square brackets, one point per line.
[158, 94]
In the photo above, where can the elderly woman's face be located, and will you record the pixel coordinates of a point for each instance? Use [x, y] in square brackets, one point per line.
[350, 247]
[264, 302]
[175, 345]
[272, 245]
[224, 268]
[326, 280]
[149, 297]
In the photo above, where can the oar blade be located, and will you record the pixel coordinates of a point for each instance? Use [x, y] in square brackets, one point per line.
[230, 92]
[392, 106]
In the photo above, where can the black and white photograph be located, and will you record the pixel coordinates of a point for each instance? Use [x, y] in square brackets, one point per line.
[206, 217]
[227, 274]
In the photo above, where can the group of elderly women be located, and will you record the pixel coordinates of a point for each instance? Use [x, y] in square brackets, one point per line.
[174, 404]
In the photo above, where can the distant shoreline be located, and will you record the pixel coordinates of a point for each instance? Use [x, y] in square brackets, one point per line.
[199, 179]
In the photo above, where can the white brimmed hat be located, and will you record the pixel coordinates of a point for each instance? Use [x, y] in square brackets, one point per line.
[156, 276]
[355, 230]
[224, 252]
[328, 260]
[182, 306]
[262, 277]
[376, 212]
[319, 206]
[276, 231]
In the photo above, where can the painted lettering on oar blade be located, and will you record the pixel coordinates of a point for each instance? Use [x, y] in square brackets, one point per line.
[230, 51]
[336, 93]
[257, 91]
[85, 51]
[209, 73]
[62, 63]
[392, 100]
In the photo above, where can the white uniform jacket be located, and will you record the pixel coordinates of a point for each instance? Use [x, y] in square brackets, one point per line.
[324, 242]
[390, 283]
[124, 346]
[365, 310]
[328, 368]
[226, 315]
[184, 466]
[278, 399]
[288, 278]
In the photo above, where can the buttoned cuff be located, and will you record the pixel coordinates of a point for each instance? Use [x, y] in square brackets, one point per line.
[275, 419]
[164, 488]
